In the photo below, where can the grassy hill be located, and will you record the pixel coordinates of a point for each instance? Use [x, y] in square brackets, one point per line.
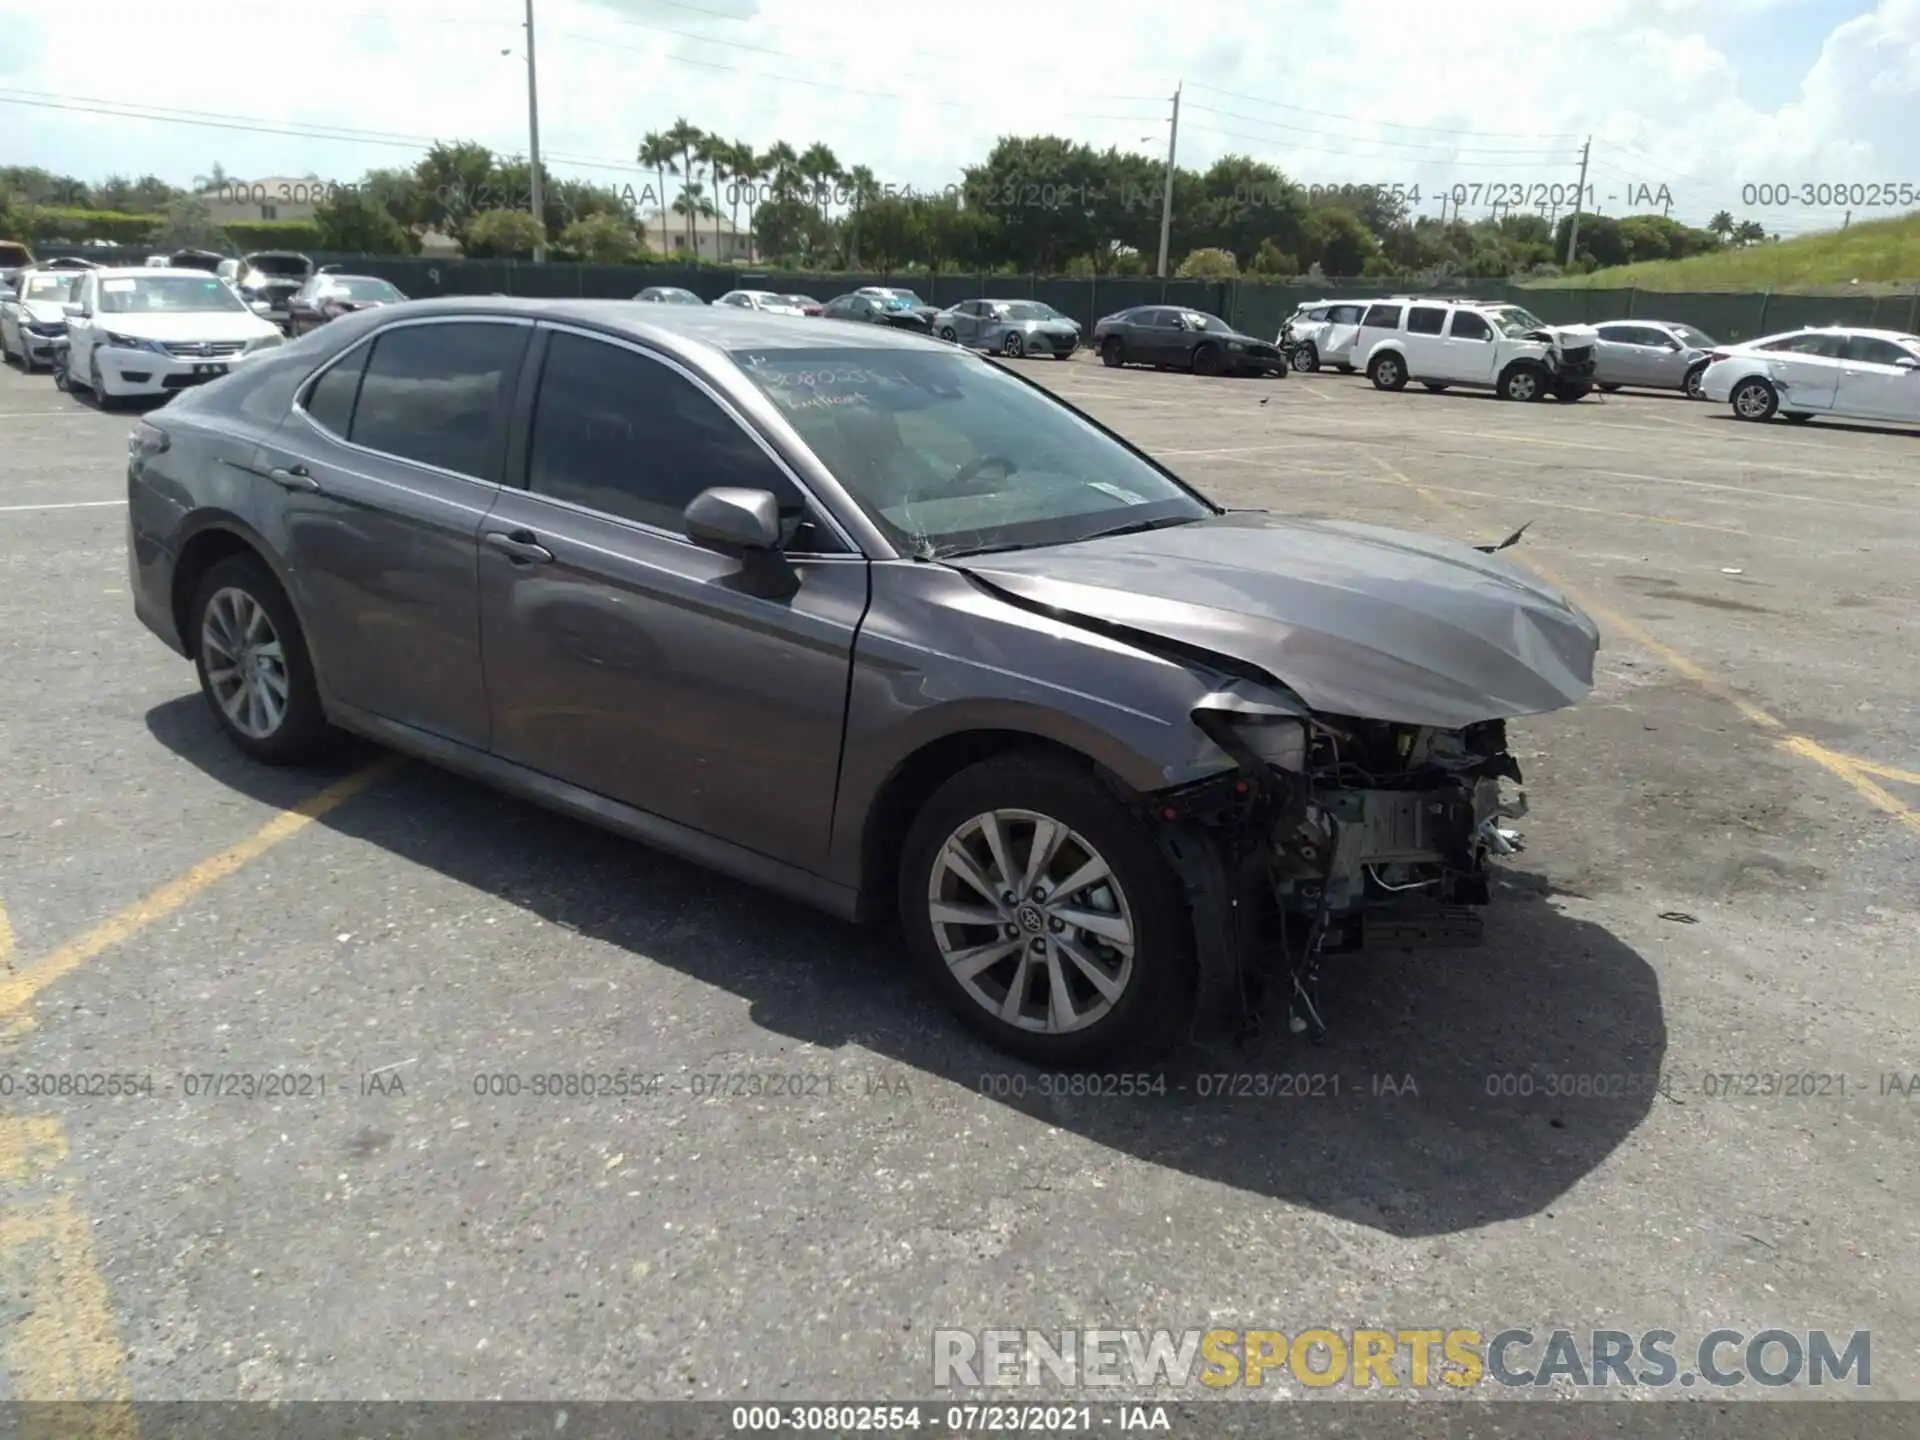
[1877, 253]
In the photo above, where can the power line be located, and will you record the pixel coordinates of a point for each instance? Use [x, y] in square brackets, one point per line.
[1377, 140]
[1428, 161]
[1391, 124]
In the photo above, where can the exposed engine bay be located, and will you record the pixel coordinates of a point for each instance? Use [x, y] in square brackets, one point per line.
[1333, 834]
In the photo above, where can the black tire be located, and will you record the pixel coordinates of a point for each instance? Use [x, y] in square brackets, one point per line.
[1155, 1008]
[1306, 359]
[1013, 347]
[303, 732]
[1344, 368]
[1206, 360]
[97, 386]
[1690, 386]
[1755, 399]
[1113, 352]
[1388, 371]
[1569, 393]
[1435, 385]
[1798, 417]
[1609, 388]
[947, 334]
[1521, 383]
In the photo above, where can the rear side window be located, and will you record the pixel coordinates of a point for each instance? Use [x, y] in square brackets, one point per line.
[631, 437]
[1469, 326]
[1830, 346]
[437, 394]
[329, 399]
[1426, 320]
[1383, 317]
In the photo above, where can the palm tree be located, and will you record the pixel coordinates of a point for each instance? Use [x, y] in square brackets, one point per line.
[1721, 225]
[685, 139]
[782, 166]
[1749, 232]
[863, 189]
[693, 203]
[717, 155]
[657, 151]
[213, 179]
[821, 167]
[746, 168]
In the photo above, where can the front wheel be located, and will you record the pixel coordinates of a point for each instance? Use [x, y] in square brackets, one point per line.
[1113, 352]
[253, 664]
[1306, 359]
[1693, 385]
[1572, 391]
[1343, 367]
[1206, 360]
[1520, 383]
[1798, 417]
[98, 385]
[947, 334]
[1435, 385]
[1755, 399]
[1012, 347]
[1609, 388]
[1040, 909]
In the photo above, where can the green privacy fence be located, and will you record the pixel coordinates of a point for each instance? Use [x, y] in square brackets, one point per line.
[1253, 306]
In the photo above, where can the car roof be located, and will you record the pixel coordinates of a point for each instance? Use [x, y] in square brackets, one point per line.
[685, 329]
[146, 272]
[340, 275]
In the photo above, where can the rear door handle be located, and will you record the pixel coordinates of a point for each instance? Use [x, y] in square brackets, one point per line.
[522, 547]
[292, 477]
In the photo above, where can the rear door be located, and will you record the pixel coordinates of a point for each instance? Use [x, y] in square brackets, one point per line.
[1806, 368]
[1343, 323]
[1875, 384]
[384, 471]
[1379, 322]
[1613, 358]
[625, 659]
[1469, 348]
[1426, 344]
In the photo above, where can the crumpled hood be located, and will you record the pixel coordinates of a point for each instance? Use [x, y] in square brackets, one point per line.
[1356, 620]
[44, 312]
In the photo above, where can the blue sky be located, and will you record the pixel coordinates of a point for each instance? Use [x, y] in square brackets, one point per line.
[1700, 98]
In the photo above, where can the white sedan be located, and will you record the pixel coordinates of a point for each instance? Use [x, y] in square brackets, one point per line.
[152, 332]
[765, 301]
[1858, 374]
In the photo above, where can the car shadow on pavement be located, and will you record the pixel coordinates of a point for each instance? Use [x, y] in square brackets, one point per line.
[1456, 1088]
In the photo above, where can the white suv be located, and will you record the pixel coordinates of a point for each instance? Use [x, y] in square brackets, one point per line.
[1474, 342]
[1325, 332]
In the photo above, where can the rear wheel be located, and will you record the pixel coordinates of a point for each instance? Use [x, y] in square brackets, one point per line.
[1755, 399]
[1343, 367]
[1798, 417]
[1435, 385]
[1609, 388]
[1039, 908]
[1692, 384]
[1206, 360]
[1388, 372]
[1570, 391]
[253, 664]
[1113, 352]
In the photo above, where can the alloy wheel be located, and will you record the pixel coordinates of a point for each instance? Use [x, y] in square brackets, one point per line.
[1752, 402]
[1031, 921]
[1011, 345]
[246, 665]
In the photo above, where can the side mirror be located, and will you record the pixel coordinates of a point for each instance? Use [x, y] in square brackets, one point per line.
[260, 307]
[744, 524]
[74, 311]
[1908, 364]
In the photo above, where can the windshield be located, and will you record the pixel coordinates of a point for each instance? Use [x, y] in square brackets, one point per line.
[1028, 310]
[898, 298]
[1512, 320]
[1698, 339]
[1199, 320]
[167, 295]
[355, 288]
[801, 300]
[48, 287]
[946, 453]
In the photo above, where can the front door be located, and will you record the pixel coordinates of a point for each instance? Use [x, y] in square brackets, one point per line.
[1468, 351]
[1875, 384]
[625, 659]
[382, 476]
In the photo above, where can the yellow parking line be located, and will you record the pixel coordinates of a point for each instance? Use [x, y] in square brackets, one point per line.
[65, 1346]
[1831, 761]
[1885, 772]
[19, 988]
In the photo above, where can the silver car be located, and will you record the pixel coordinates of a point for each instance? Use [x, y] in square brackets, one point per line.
[1009, 327]
[33, 317]
[1655, 353]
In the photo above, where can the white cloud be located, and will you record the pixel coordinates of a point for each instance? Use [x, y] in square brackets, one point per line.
[1363, 91]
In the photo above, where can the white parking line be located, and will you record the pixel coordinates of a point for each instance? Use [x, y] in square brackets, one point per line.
[63, 505]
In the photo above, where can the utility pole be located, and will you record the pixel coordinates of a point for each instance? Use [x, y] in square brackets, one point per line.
[533, 143]
[1848, 221]
[1579, 194]
[1166, 199]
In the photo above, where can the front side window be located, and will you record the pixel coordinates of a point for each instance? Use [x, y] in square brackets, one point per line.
[947, 454]
[1872, 350]
[629, 436]
[1469, 326]
[433, 394]
[166, 295]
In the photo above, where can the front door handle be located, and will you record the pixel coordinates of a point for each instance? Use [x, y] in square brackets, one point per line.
[521, 547]
[292, 477]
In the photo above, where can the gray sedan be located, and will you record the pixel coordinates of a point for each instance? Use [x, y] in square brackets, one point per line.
[864, 618]
[1655, 353]
[1009, 327]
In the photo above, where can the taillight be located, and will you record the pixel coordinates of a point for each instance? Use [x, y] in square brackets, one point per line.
[147, 440]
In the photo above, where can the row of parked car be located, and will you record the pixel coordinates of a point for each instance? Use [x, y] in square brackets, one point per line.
[178, 320]
[1843, 371]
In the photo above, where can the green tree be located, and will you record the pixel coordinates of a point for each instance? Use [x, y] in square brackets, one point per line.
[717, 155]
[863, 190]
[684, 138]
[1270, 260]
[510, 234]
[744, 165]
[354, 222]
[820, 168]
[693, 204]
[1211, 263]
[455, 183]
[661, 155]
[213, 179]
[186, 224]
[1342, 241]
[1721, 225]
[602, 240]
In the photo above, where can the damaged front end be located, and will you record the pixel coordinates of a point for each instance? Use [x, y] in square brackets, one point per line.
[1330, 834]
